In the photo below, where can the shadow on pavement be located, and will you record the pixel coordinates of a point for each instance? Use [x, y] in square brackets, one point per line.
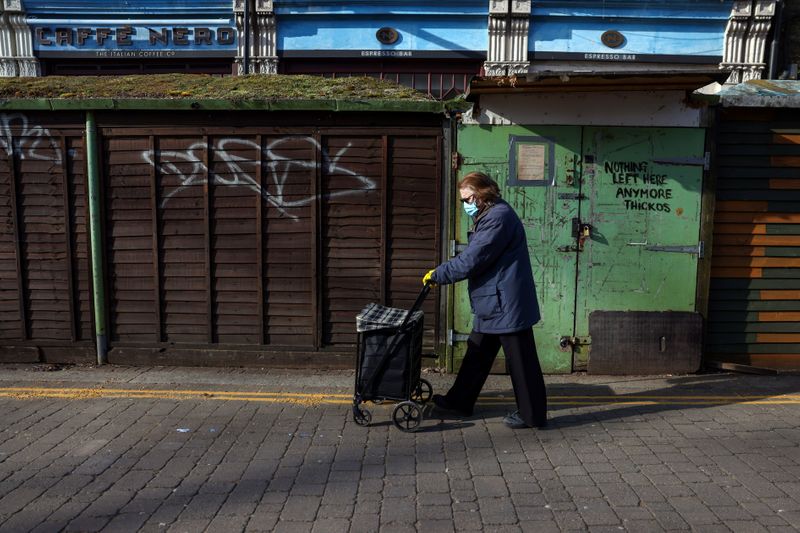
[612, 403]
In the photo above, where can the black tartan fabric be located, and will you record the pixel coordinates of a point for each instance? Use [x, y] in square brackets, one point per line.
[376, 316]
[402, 368]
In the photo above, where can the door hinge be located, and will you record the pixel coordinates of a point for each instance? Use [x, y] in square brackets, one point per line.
[571, 196]
[455, 160]
[456, 248]
[704, 161]
[453, 337]
[697, 249]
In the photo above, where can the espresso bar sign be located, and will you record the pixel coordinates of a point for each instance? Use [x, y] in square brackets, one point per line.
[134, 41]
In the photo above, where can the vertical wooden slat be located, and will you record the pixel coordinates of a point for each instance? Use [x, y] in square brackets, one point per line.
[73, 326]
[385, 192]
[156, 255]
[207, 228]
[15, 208]
[260, 241]
[707, 207]
[316, 240]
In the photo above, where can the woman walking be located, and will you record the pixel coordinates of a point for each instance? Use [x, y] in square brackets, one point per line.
[503, 298]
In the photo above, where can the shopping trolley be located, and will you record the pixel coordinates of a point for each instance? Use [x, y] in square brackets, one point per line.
[389, 361]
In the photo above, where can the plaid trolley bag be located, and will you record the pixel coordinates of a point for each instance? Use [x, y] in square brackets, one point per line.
[389, 362]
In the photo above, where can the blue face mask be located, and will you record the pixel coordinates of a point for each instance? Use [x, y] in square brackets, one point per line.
[471, 208]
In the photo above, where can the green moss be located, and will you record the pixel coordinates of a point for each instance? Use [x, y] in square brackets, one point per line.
[203, 87]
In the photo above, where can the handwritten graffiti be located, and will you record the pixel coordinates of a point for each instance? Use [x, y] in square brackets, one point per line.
[277, 168]
[638, 184]
[28, 141]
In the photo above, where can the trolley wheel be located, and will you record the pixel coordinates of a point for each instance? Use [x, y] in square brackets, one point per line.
[407, 416]
[362, 417]
[423, 391]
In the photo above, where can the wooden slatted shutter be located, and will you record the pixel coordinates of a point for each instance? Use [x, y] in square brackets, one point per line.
[754, 314]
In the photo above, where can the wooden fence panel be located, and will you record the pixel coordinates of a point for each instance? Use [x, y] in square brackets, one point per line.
[287, 173]
[12, 319]
[45, 307]
[268, 240]
[351, 228]
[129, 234]
[234, 205]
[414, 223]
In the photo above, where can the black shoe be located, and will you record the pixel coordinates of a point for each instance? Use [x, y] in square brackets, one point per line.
[442, 403]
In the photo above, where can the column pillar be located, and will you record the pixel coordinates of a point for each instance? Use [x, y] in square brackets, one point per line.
[16, 42]
[263, 57]
[509, 24]
[746, 38]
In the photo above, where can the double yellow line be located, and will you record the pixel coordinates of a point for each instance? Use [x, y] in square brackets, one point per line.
[315, 399]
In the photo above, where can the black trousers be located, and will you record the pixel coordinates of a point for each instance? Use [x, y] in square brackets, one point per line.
[523, 365]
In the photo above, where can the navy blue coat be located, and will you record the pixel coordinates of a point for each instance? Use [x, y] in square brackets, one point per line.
[498, 267]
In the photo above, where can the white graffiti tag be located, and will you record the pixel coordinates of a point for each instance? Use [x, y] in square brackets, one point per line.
[27, 141]
[278, 169]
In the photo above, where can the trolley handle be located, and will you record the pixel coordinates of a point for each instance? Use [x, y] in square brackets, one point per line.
[417, 303]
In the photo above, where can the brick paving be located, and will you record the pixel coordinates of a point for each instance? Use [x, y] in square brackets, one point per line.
[666, 462]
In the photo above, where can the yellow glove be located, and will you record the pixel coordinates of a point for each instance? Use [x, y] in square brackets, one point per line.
[427, 278]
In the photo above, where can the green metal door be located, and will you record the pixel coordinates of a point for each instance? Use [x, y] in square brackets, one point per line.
[612, 217]
[538, 173]
[642, 206]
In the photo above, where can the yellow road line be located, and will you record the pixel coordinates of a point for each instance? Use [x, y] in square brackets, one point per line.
[309, 399]
[175, 392]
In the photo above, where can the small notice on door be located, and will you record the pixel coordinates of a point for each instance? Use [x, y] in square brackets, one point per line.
[531, 162]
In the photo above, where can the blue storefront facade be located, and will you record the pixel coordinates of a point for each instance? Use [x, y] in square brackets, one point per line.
[100, 37]
[435, 47]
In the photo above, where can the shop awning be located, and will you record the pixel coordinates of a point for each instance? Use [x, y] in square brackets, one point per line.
[595, 82]
[761, 93]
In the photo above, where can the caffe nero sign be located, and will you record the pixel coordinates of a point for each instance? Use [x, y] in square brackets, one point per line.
[131, 41]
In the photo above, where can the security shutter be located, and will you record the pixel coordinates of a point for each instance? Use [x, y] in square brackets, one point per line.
[754, 314]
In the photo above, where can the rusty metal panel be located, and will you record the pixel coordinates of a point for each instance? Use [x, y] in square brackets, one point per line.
[754, 302]
[643, 342]
[44, 279]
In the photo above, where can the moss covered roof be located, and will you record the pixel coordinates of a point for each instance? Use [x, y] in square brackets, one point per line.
[252, 87]
[197, 91]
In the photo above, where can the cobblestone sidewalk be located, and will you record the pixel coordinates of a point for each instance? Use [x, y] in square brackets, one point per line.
[271, 451]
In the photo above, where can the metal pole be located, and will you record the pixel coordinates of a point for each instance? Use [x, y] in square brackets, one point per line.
[99, 296]
[246, 28]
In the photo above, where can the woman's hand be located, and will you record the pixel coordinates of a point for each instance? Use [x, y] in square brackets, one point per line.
[427, 278]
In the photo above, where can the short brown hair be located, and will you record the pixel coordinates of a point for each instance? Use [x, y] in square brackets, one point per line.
[486, 189]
